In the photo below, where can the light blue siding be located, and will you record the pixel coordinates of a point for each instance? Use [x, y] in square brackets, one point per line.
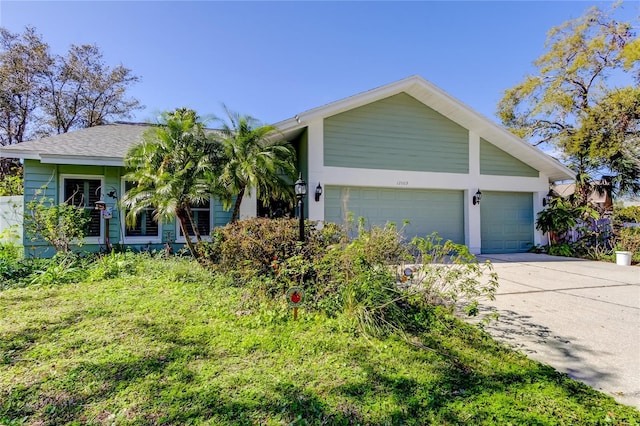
[39, 180]
[494, 161]
[396, 133]
[38, 175]
[221, 216]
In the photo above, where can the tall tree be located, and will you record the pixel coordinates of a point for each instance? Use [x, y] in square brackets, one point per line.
[24, 60]
[172, 169]
[42, 94]
[569, 96]
[82, 91]
[256, 159]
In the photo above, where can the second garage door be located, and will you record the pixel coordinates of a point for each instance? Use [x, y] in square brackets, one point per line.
[427, 210]
[506, 222]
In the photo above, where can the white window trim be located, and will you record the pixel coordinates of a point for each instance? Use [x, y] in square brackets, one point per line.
[180, 239]
[123, 225]
[87, 240]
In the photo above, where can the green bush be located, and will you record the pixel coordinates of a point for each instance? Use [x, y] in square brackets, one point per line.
[58, 224]
[12, 184]
[258, 247]
[60, 269]
[628, 239]
[358, 276]
[113, 265]
[629, 214]
[446, 273]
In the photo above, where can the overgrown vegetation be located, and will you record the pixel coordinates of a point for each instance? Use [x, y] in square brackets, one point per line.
[596, 239]
[362, 276]
[12, 183]
[61, 225]
[135, 339]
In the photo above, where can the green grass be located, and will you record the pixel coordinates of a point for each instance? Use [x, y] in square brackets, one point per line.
[172, 345]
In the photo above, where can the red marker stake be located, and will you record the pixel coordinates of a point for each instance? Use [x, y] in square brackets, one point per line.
[295, 296]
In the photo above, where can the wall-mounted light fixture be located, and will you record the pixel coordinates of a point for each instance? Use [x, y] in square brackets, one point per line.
[477, 197]
[318, 191]
[547, 198]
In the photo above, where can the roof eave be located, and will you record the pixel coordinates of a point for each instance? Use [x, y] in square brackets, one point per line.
[81, 160]
[21, 154]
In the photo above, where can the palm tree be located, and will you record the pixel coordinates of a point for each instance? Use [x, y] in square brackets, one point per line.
[256, 159]
[172, 168]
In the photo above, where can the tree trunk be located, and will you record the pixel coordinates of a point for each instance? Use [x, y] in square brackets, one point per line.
[236, 208]
[196, 232]
[185, 232]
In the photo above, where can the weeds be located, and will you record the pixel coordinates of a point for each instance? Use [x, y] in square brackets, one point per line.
[168, 343]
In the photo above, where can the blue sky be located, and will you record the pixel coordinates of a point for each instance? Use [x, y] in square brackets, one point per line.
[275, 59]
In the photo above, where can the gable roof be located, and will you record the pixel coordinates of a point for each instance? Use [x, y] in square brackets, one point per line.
[104, 145]
[448, 106]
[107, 145]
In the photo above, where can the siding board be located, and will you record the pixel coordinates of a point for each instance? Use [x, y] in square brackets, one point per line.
[494, 161]
[396, 133]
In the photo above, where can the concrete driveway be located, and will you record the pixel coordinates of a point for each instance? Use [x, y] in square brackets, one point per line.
[581, 317]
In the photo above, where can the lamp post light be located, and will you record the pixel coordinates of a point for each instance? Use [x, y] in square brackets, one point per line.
[301, 190]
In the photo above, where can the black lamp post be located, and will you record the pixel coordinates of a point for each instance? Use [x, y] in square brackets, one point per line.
[301, 190]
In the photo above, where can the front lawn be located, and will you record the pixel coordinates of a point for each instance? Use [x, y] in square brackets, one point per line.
[168, 343]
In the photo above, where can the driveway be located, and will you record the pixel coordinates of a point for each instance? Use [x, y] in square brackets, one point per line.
[581, 317]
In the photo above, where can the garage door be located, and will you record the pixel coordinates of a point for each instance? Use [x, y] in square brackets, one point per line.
[426, 210]
[506, 222]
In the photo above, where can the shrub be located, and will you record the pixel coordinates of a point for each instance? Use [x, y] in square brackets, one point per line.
[357, 277]
[12, 184]
[258, 247]
[60, 269]
[446, 273]
[629, 214]
[560, 216]
[628, 239]
[58, 224]
[9, 251]
[113, 265]
[595, 242]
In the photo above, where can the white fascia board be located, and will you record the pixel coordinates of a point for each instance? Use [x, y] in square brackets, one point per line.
[359, 99]
[81, 160]
[25, 155]
[400, 179]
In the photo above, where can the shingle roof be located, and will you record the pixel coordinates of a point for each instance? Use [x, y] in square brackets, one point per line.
[106, 145]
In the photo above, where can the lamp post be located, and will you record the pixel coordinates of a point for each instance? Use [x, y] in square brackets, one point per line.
[301, 190]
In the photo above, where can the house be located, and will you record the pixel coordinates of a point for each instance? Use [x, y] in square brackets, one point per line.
[86, 166]
[406, 151]
[599, 194]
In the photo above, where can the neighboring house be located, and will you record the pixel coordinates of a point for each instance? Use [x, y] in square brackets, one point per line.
[599, 196]
[404, 151]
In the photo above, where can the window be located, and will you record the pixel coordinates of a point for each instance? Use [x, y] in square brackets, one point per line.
[145, 229]
[201, 218]
[83, 192]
